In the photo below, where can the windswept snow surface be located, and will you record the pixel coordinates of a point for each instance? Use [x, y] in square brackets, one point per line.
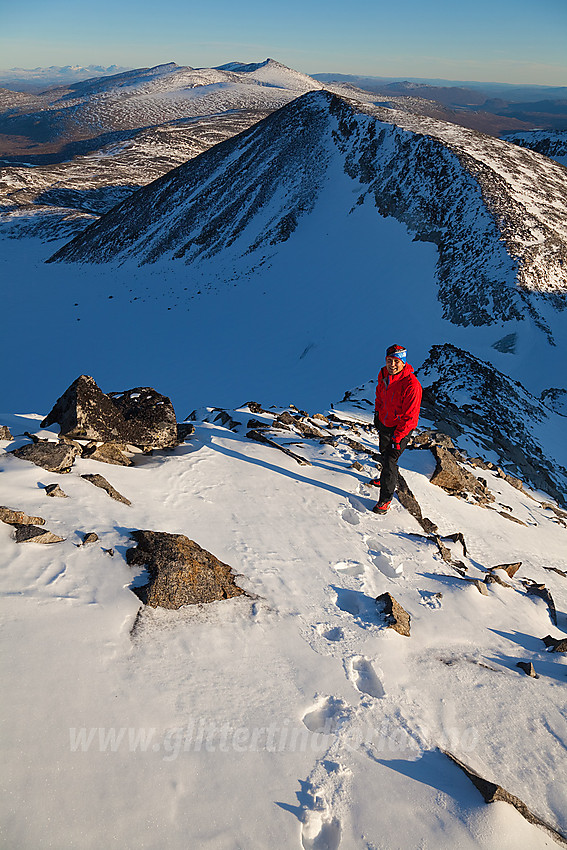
[292, 718]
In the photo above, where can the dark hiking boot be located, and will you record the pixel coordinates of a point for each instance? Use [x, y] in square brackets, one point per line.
[374, 482]
[381, 507]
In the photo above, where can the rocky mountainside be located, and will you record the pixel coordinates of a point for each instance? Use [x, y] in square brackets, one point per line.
[546, 142]
[495, 212]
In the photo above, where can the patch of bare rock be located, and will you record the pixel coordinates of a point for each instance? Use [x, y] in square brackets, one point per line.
[181, 572]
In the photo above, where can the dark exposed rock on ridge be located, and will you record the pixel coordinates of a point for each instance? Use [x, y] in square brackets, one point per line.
[181, 572]
[453, 478]
[141, 416]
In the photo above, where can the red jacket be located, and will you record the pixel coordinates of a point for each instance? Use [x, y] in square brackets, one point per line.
[398, 400]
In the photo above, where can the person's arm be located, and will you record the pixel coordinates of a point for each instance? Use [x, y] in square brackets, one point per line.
[408, 418]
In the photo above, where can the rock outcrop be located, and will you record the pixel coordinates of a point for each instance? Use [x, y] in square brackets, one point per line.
[5, 433]
[456, 480]
[181, 572]
[141, 416]
[55, 457]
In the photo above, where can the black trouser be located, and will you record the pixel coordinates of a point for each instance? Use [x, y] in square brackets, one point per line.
[389, 457]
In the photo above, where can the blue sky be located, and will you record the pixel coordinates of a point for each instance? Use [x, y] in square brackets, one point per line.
[518, 41]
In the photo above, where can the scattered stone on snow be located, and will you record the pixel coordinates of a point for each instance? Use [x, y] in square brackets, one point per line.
[492, 793]
[226, 420]
[55, 457]
[534, 588]
[397, 618]
[321, 417]
[555, 644]
[254, 407]
[480, 585]
[26, 533]
[5, 433]
[494, 578]
[55, 491]
[12, 517]
[256, 423]
[511, 569]
[557, 570]
[108, 453]
[141, 416]
[90, 537]
[454, 479]
[181, 572]
[512, 518]
[528, 668]
[356, 465]
[101, 482]
[184, 430]
[109, 552]
[261, 438]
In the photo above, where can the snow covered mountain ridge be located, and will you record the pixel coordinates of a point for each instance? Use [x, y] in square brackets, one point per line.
[497, 213]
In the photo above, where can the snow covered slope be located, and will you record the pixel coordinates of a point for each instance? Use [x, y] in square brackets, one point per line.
[149, 96]
[293, 718]
[495, 212]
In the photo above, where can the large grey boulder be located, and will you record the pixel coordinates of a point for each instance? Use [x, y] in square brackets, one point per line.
[181, 572]
[55, 457]
[141, 416]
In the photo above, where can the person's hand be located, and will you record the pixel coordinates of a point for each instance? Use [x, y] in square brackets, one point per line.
[395, 444]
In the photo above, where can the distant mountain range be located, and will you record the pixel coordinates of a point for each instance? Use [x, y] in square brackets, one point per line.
[37, 79]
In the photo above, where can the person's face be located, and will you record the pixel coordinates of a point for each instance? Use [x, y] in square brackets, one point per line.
[394, 365]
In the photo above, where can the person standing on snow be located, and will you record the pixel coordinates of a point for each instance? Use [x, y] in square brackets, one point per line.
[398, 400]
